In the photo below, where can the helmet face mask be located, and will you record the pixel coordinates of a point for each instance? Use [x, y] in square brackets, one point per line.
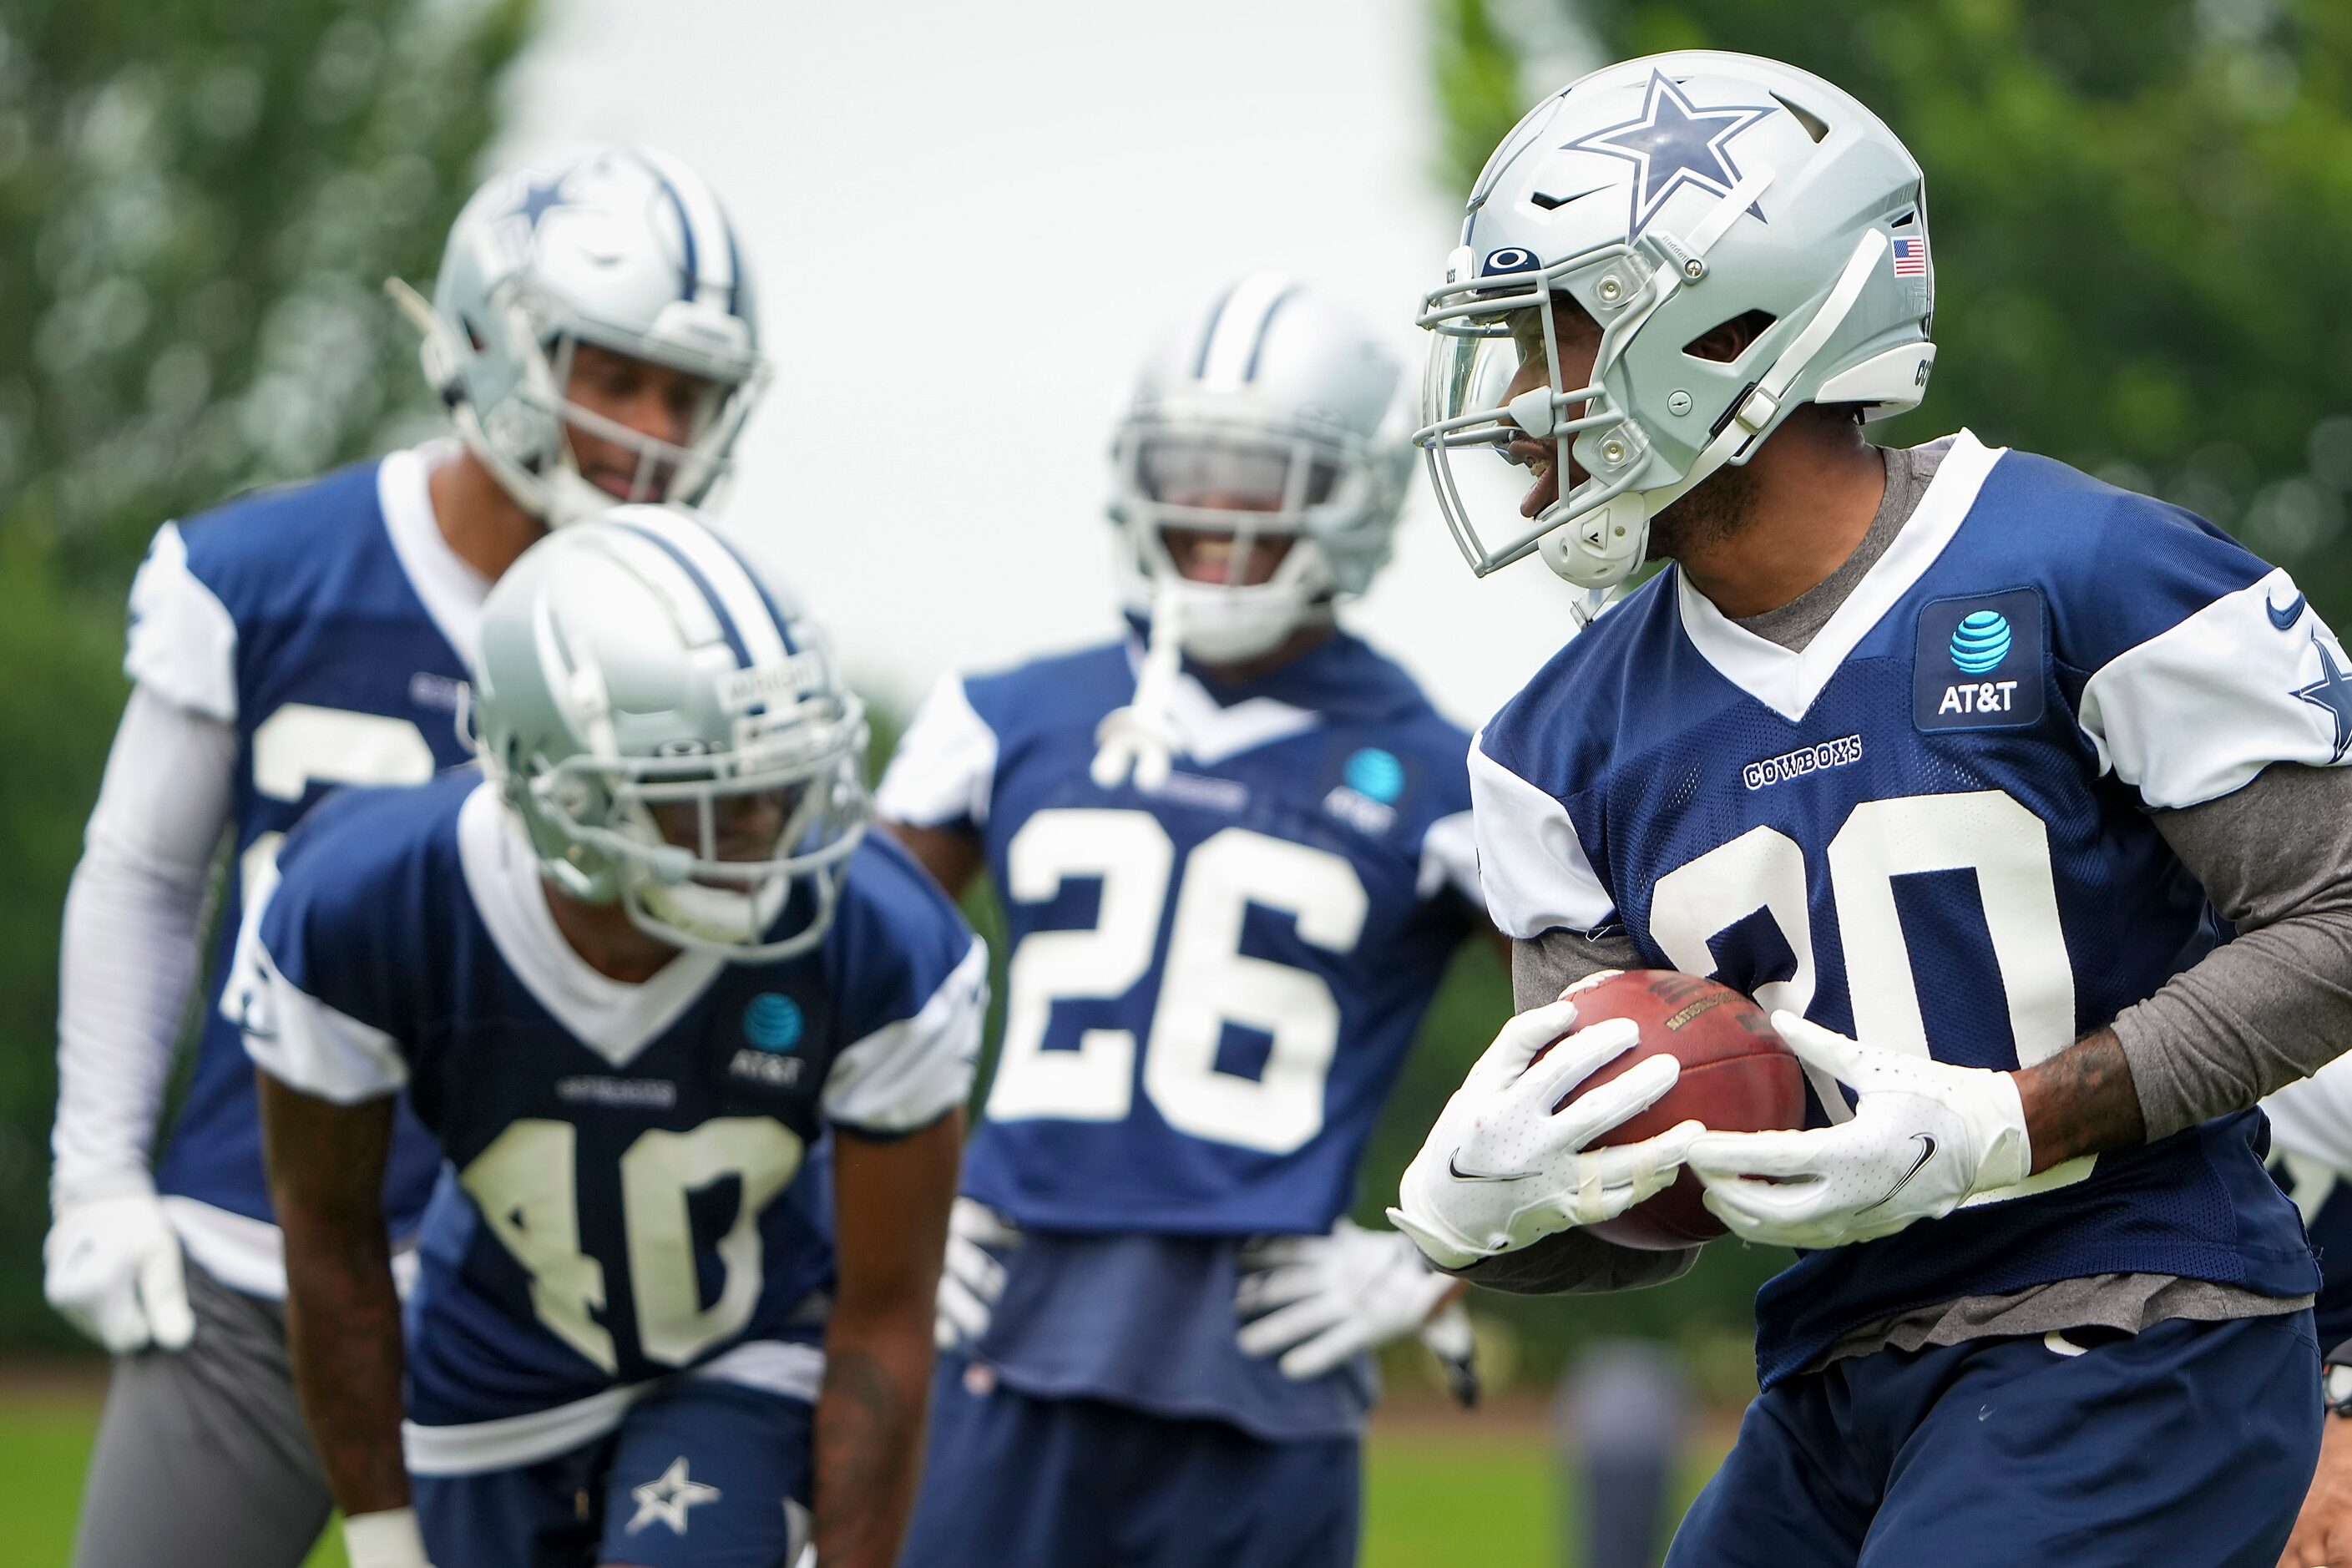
[1482, 338]
[621, 249]
[550, 396]
[1631, 192]
[1248, 484]
[1266, 414]
[667, 827]
[672, 735]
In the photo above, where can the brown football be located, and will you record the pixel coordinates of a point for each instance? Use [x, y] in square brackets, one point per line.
[1737, 1077]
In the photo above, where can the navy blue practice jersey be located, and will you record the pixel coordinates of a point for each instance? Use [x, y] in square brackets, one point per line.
[1210, 986]
[330, 624]
[1930, 829]
[1210, 989]
[635, 1182]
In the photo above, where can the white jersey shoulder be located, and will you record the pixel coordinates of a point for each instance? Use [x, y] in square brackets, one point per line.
[944, 767]
[182, 642]
[2196, 712]
[1531, 865]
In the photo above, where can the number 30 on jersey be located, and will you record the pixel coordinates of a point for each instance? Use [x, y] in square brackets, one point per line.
[1206, 982]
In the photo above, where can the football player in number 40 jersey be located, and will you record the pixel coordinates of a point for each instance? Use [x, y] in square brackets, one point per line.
[592, 334]
[1233, 856]
[2018, 797]
[638, 981]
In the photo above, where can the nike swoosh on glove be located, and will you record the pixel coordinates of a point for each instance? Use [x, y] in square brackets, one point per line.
[1925, 1138]
[1501, 1169]
[971, 1278]
[111, 1268]
[1317, 1300]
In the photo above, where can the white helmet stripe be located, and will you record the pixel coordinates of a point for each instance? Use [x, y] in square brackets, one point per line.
[722, 579]
[1236, 336]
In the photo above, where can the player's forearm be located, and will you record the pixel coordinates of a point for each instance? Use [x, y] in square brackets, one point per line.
[128, 952]
[869, 1434]
[1544, 966]
[2264, 1010]
[127, 959]
[2081, 1101]
[326, 1168]
[342, 1333]
[2274, 1003]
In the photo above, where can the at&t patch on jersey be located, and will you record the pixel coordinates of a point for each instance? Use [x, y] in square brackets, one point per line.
[1979, 662]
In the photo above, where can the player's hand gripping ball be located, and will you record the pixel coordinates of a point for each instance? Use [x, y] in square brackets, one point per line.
[1738, 1076]
[1574, 1118]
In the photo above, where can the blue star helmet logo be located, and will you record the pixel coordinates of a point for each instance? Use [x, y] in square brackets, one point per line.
[2333, 692]
[539, 200]
[1674, 143]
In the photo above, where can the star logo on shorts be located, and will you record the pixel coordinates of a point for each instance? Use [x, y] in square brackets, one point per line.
[667, 1497]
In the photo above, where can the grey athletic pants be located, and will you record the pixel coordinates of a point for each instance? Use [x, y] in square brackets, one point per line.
[202, 1460]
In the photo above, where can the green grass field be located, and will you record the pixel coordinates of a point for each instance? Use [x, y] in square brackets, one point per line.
[1440, 1490]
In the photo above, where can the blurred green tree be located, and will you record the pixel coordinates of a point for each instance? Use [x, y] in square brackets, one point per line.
[2141, 211]
[198, 203]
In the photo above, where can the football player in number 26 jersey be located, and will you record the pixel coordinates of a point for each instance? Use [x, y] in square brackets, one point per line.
[677, 1022]
[1230, 852]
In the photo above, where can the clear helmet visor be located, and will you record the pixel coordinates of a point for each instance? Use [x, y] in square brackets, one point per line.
[1274, 485]
[1483, 467]
[1505, 419]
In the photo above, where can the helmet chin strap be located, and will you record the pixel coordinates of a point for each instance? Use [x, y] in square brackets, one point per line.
[1141, 739]
[1608, 544]
[715, 915]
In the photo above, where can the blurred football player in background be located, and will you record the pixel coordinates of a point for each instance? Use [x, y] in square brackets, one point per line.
[1962, 761]
[1233, 856]
[2311, 1155]
[593, 337]
[630, 980]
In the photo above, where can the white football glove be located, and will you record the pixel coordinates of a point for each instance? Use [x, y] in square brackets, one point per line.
[1315, 1301]
[970, 1280]
[1924, 1139]
[388, 1539]
[1501, 1170]
[111, 1268]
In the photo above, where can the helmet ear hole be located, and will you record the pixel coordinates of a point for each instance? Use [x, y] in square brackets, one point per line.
[1815, 126]
[1725, 341]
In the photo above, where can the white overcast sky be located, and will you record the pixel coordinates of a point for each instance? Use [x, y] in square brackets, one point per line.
[968, 221]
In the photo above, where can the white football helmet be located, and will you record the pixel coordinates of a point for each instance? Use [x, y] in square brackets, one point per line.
[1667, 196]
[1266, 409]
[624, 248]
[638, 671]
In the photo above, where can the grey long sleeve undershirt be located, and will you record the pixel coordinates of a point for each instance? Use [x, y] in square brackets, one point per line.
[2259, 1012]
[2274, 1003]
